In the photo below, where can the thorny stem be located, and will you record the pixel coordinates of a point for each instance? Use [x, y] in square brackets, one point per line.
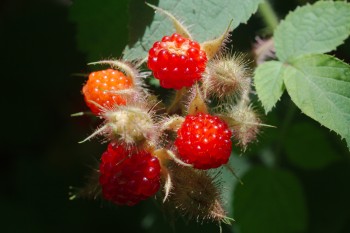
[245, 99]
[268, 15]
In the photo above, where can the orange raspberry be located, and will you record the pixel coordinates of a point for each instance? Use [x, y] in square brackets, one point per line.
[101, 88]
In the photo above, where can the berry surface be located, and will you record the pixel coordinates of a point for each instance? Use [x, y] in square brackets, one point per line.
[101, 87]
[204, 141]
[176, 61]
[128, 176]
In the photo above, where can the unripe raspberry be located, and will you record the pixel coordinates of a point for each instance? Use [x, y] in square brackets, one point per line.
[176, 61]
[227, 77]
[101, 88]
[128, 176]
[195, 194]
[129, 124]
[245, 123]
[132, 125]
[204, 141]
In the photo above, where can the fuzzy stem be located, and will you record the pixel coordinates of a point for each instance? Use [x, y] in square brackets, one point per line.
[174, 106]
[245, 98]
[268, 15]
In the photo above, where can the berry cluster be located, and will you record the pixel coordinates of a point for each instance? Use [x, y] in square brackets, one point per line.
[152, 144]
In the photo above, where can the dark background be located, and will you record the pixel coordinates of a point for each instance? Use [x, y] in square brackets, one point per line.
[40, 157]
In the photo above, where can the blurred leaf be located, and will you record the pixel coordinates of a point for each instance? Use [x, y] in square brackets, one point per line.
[101, 27]
[308, 147]
[209, 19]
[18, 216]
[270, 201]
[269, 83]
[154, 82]
[229, 182]
[319, 85]
[140, 16]
[316, 28]
[327, 193]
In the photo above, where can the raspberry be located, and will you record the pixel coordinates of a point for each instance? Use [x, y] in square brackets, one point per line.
[101, 87]
[176, 61]
[204, 141]
[128, 176]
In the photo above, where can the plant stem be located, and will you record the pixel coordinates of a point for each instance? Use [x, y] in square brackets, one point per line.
[268, 15]
[175, 106]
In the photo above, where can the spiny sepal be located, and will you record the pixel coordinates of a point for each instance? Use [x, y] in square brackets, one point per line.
[212, 47]
[227, 77]
[197, 102]
[179, 27]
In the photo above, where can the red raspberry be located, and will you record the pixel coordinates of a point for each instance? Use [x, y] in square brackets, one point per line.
[176, 61]
[101, 86]
[128, 176]
[204, 141]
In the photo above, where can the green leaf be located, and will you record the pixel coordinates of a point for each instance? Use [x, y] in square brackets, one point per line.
[101, 27]
[140, 16]
[270, 201]
[316, 28]
[308, 147]
[240, 165]
[154, 82]
[320, 86]
[269, 83]
[208, 19]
